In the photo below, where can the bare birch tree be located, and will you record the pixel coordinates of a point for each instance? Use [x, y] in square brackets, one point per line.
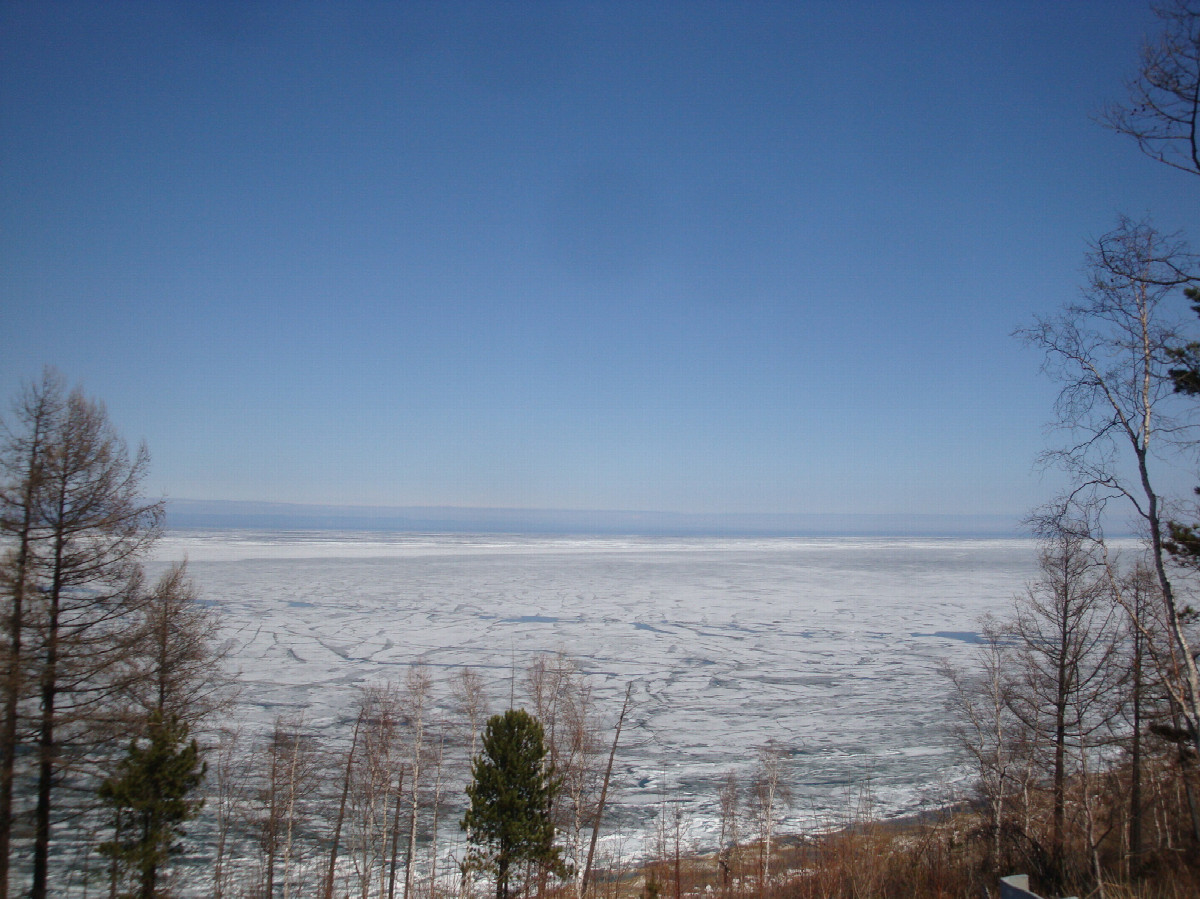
[418, 690]
[994, 737]
[1162, 112]
[770, 792]
[728, 848]
[288, 769]
[471, 702]
[226, 804]
[1150, 705]
[339, 820]
[1135, 593]
[564, 699]
[601, 801]
[1110, 352]
[375, 774]
[470, 699]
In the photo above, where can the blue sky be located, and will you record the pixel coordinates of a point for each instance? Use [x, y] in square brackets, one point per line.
[692, 257]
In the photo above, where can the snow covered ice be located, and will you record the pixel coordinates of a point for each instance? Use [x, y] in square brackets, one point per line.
[827, 648]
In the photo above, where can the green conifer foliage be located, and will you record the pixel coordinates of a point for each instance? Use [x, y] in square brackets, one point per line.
[508, 822]
[148, 795]
[1184, 539]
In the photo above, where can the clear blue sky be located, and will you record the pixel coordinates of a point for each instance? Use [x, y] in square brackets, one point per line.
[697, 257]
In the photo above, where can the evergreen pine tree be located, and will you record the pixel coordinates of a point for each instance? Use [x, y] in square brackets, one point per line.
[148, 795]
[1184, 539]
[508, 821]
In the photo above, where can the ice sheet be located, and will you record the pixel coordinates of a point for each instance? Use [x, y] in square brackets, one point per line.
[826, 648]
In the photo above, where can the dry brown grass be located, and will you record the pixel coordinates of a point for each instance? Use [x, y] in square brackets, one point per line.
[950, 856]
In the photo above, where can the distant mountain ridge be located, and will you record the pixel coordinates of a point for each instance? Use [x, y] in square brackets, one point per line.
[234, 514]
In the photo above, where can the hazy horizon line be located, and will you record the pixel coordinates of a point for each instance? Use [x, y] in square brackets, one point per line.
[269, 515]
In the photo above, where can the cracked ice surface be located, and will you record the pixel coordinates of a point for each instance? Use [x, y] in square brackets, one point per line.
[827, 647]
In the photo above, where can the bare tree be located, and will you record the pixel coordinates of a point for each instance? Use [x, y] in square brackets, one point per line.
[179, 655]
[470, 700]
[395, 849]
[22, 472]
[288, 771]
[987, 728]
[471, 703]
[550, 682]
[1066, 628]
[1150, 705]
[339, 820]
[1163, 110]
[373, 785]
[173, 681]
[1135, 593]
[91, 526]
[563, 698]
[226, 804]
[436, 806]
[1110, 353]
[727, 851]
[600, 802]
[770, 792]
[680, 840]
[544, 682]
[418, 689]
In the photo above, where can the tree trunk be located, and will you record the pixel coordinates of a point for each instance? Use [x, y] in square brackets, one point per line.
[13, 680]
[1062, 692]
[36, 412]
[412, 821]
[395, 835]
[87, 503]
[1135, 772]
[587, 870]
[1190, 674]
[433, 831]
[46, 742]
[341, 815]
[271, 836]
[502, 876]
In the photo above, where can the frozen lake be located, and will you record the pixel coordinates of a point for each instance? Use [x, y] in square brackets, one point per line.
[826, 647]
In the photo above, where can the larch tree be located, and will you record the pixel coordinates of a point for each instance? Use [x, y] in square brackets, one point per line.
[175, 681]
[1066, 628]
[178, 663]
[22, 470]
[81, 524]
